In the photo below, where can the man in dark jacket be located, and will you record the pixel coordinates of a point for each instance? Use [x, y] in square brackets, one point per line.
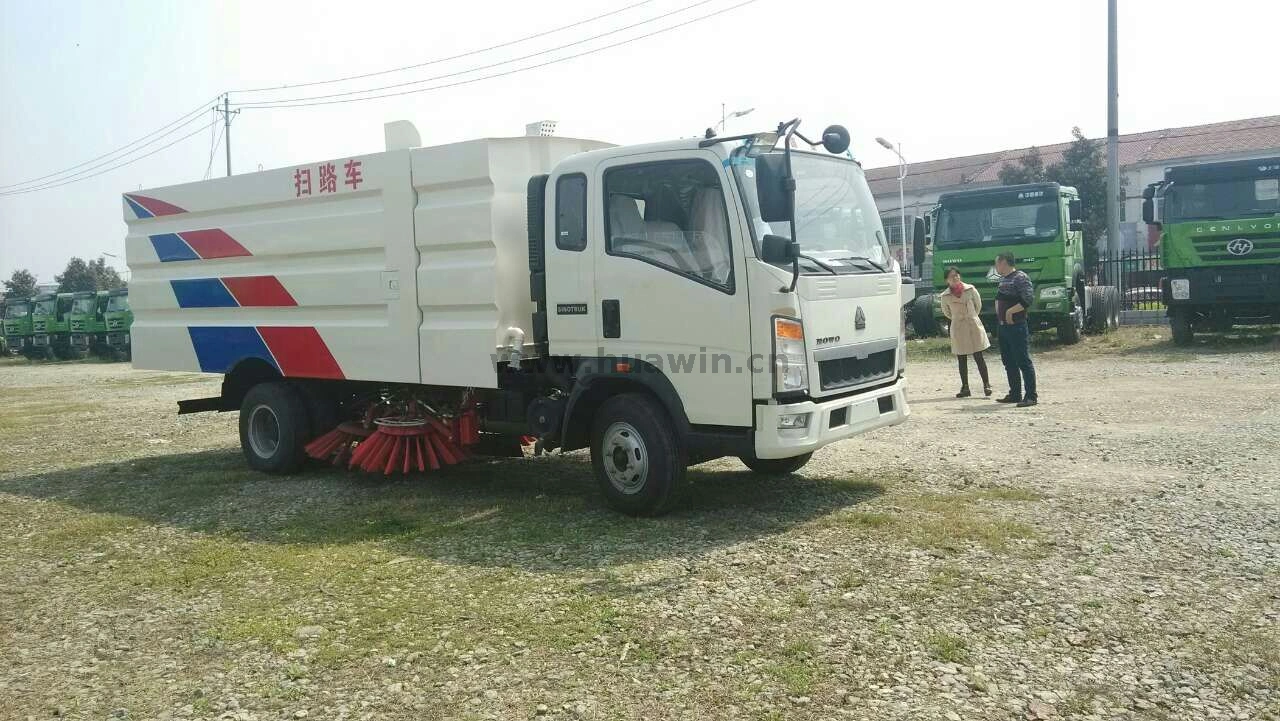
[1013, 298]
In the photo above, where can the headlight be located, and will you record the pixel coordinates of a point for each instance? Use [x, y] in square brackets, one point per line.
[1053, 293]
[790, 366]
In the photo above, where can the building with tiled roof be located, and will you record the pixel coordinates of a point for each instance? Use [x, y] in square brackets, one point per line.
[1143, 158]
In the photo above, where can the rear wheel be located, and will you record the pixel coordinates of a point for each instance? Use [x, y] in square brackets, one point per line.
[638, 461]
[274, 428]
[1113, 305]
[1181, 326]
[1095, 310]
[776, 466]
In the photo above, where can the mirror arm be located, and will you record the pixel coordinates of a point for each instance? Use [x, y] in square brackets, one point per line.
[786, 130]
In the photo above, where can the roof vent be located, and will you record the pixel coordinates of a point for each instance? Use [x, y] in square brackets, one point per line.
[542, 128]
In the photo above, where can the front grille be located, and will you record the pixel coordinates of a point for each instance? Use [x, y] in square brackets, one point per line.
[77, 325]
[852, 371]
[1214, 247]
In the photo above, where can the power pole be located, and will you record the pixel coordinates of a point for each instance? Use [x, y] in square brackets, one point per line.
[1113, 148]
[227, 112]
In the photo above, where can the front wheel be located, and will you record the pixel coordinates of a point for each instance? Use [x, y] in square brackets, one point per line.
[638, 461]
[776, 466]
[274, 428]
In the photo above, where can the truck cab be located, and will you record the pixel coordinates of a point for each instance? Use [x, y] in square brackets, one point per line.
[117, 319]
[1219, 229]
[51, 325]
[17, 325]
[83, 320]
[1041, 224]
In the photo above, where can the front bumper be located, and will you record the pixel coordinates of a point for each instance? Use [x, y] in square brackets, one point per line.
[15, 342]
[116, 338]
[40, 340]
[1222, 285]
[862, 412]
[79, 340]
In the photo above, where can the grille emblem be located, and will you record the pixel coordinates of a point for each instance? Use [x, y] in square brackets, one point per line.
[859, 320]
[1240, 246]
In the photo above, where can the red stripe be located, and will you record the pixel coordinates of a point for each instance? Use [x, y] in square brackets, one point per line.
[157, 207]
[213, 243]
[261, 291]
[300, 352]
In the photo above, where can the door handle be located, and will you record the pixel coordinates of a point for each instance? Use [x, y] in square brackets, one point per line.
[611, 318]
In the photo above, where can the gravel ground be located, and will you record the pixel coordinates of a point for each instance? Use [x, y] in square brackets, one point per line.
[1112, 553]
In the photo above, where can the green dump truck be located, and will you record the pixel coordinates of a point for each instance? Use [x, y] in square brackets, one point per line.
[118, 318]
[17, 325]
[1219, 243]
[1042, 225]
[87, 324]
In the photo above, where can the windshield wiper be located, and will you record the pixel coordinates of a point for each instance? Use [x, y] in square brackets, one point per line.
[868, 261]
[819, 263]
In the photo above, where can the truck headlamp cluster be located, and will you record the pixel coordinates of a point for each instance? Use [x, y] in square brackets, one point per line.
[790, 366]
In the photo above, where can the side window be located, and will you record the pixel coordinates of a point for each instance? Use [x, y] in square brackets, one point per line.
[671, 214]
[571, 212]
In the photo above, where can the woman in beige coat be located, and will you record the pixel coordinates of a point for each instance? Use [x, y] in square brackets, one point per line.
[961, 304]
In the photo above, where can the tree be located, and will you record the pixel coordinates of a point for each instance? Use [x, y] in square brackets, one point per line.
[105, 277]
[1030, 169]
[22, 284]
[76, 277]
[1081, 168]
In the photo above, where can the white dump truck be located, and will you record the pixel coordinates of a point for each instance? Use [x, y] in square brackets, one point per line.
[661, 304]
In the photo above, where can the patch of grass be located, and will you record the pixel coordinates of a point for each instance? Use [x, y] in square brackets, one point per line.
[797, 669]
[945, 647]
[801, 598]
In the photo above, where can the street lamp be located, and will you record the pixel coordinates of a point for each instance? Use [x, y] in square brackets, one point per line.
[724, 118]
[902, 202]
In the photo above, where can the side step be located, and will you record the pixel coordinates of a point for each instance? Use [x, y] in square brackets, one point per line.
[200, 405]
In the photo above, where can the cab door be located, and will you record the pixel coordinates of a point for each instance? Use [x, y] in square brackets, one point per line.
[670, 280]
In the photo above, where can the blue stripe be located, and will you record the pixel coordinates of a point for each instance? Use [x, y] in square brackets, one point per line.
[171, 246]
[220, 348]
[138, 210]
[202, 293]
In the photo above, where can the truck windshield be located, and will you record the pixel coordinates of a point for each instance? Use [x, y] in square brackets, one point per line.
[83, 306]
[17, 310]
[44, 307]
[1022, 223]
[1222, 200]
[118, 303]
[836, 217]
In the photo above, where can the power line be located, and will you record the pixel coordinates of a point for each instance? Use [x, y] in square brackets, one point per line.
[504, 73]
[208, 168]
[59, 184]
[436, 61]
[188, 118]
[468, 71]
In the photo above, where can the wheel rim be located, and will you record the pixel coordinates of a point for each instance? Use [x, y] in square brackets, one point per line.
[264, 431]
[626, 461]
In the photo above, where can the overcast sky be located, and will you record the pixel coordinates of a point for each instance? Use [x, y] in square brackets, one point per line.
[944, 78]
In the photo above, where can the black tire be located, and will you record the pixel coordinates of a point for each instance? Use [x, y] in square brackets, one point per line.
[1068, 331]
[633, 429]
[776, 466]
[923, 321]
[274, 428]
[1181, 326]
[1095, 309]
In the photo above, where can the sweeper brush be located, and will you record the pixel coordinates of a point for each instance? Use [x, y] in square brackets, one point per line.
[335, 446]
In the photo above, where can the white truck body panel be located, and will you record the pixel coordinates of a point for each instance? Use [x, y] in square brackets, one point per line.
[402, 266]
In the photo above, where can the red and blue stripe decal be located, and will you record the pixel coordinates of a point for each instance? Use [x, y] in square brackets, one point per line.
[250, 291]
[295, 351]
[186, 245]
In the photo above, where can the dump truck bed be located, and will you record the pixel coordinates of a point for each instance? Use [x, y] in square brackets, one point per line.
[403, 266]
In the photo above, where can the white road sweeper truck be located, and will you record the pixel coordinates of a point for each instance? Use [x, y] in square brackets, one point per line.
[661, 304]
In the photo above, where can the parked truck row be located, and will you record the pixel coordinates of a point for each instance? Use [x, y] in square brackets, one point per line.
[660, 305]
[65, 326]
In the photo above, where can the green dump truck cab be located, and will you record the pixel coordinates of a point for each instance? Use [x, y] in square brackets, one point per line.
[1220, 244]
[51, 325]
[1041, 225]
[86, 322]
[17, 325]
[118, 318]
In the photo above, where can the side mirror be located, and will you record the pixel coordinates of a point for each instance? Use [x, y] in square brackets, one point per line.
[778, 250]
[835, 139]
[1149, 211]
[1075, 210]
[771, 191]
[919, 240]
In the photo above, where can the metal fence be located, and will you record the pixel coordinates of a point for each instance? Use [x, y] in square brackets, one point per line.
[1138, 274]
